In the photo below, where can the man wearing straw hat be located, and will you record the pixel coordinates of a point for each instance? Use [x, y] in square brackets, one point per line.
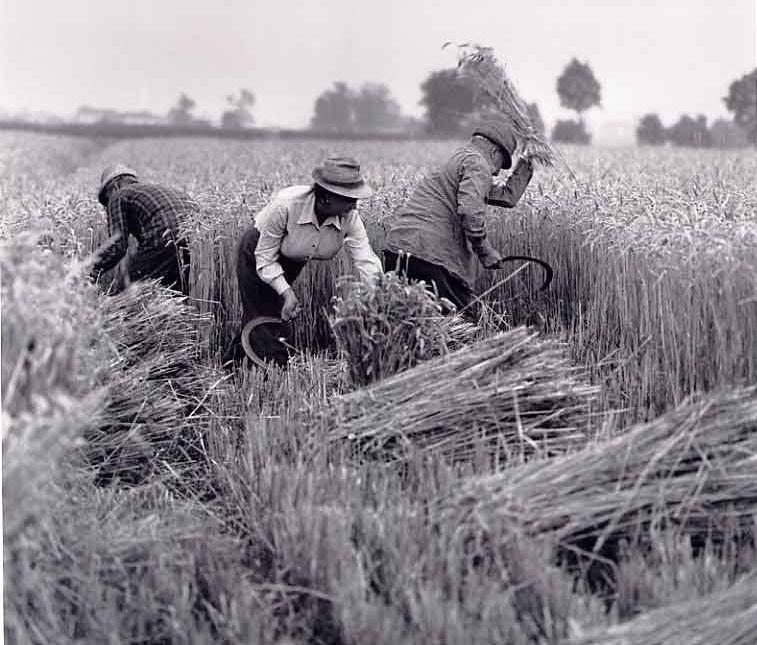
[438, 234]
[152, 214]
[301, 223]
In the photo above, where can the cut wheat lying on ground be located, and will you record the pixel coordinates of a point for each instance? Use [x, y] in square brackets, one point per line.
[242, 514]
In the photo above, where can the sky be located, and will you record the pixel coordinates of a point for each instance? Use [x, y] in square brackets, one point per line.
[665, 56]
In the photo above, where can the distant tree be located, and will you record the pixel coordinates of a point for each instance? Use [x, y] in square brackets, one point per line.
[239, 114]
[727, 134]
[334, 110]
[448, 100]
[570, 131]
[374, 109]
[742, 101]
[690, 132]
[578, 88]
[181, 113]
[535, 116]
[650, 131]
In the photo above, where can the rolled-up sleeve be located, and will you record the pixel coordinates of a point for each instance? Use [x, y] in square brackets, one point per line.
[473, 188]
[272, 224]
[359, 249]
[508, 194]
[118, 236]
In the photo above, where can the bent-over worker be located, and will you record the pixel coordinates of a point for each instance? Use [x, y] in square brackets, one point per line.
[152, 214]
[300, 224]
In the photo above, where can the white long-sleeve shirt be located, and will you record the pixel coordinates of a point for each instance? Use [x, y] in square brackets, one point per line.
[288, 226]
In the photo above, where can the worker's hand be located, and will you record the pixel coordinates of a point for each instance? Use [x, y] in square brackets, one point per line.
[291, 306]
[527, 152]
[488, 256]
[491, 261]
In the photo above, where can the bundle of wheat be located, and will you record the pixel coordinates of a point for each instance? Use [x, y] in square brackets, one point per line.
[510, 395]
[49, 358]
[161, 394]
[728, 617]
[391, 326]
[481, 65]
[693, 468]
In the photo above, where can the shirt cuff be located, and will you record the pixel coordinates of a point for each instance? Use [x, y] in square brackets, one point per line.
[280, 284]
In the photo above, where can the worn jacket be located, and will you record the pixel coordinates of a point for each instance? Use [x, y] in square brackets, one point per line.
[443, 222]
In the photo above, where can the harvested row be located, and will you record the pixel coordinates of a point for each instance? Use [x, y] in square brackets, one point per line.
[162, 395]
[511, 395]
[728, 618]
[693, 469]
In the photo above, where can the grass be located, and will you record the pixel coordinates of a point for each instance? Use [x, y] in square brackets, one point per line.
[269, 532]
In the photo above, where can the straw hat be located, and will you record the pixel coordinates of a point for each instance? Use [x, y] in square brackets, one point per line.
[341, 175]
[111, 172]
[499, 132]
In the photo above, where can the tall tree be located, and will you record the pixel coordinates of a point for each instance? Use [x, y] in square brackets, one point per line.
[181, 112]
[334, 110]
[448, 100]
[690, 132]
[742, 101]
[650, 131]
[570, 131]
[239, 114]
[578, 88]
[374, 109]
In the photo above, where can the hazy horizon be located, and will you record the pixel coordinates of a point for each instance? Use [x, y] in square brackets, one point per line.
[671, 58]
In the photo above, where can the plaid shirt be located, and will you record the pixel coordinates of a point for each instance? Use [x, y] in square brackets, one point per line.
[149, 212]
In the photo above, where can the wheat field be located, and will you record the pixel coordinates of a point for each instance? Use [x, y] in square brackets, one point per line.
[570, 470]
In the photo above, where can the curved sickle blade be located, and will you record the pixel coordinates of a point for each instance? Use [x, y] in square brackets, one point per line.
[247, 345]
[548, 273]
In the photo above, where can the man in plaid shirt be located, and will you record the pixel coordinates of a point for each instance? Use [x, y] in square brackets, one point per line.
[152, 214]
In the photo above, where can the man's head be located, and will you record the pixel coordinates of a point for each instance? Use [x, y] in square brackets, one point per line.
[497, 130]
[108, 178]
[338, 185]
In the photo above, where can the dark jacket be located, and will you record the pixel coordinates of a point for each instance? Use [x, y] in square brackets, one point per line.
[443, 222]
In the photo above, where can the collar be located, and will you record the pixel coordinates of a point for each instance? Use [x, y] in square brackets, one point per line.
[307, 214]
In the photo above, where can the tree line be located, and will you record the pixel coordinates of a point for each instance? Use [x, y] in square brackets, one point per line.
[741, 100]
[450, 104]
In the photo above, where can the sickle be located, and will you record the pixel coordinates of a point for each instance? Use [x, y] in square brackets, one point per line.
[247, 330]
[548, 273]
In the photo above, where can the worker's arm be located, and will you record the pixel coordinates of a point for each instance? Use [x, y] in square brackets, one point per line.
[272, 224]
[118, 237]
[473, 188]
[508, 194]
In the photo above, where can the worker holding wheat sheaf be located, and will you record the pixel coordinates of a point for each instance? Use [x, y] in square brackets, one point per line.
[440, 232]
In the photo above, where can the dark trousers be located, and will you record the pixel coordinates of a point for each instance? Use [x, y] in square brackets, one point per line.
[170, 264]
[447, 285]
[260, 299]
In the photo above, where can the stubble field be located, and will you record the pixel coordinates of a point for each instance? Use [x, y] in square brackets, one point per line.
[582, 468]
